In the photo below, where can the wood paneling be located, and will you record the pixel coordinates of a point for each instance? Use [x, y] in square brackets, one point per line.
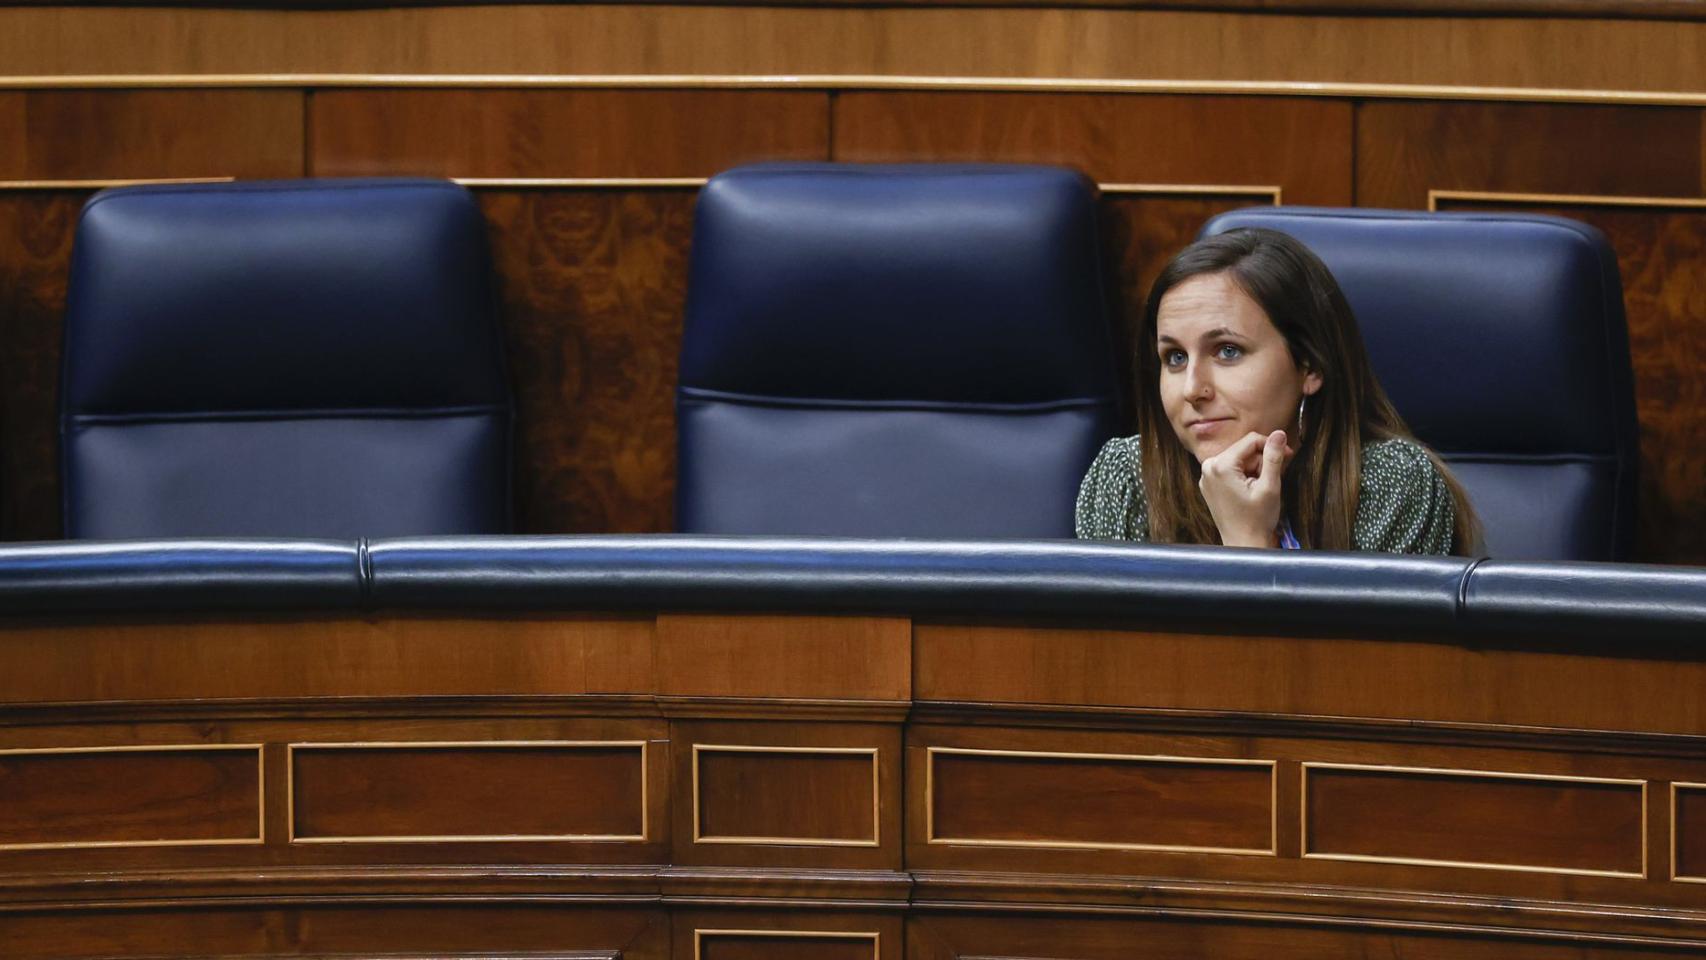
[1300, 145]
[1106, 801]
[798, 657]
[1659, 252]
[561, 133]
[760, 945]
[403, 657]
[467, 791]
[129, 134]
[130, 796]
[949, 936]
[349, 932]
[36, 230]
[1689, 828]
[1582, 689]
[798, 794]
[929, 40]
[1460, 818]
[594, 285]
[1404, 150]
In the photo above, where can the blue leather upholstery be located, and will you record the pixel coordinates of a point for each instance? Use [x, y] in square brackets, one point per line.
[892, 351]
[1501, 340]
[300, 358]
[183, 576]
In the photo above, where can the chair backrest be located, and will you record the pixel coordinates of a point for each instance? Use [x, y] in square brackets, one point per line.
[297, 358]
[892, 351]
[1501, 339]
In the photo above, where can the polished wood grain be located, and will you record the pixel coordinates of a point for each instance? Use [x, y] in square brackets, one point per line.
[884, 41]
[1664, 297]
[801, 796]
[594, 285]
[397, 792]
[797, 794]
[1593, 688]
[130, 796]
[796, 657]
[128, 134]
[36, 231]
[437, 930]
[1106, 801]
[1299, 145]
[1474, 818]
[1404, 150]
[948, 936]
[1690, 832]
[772, 935]
[561, 133]
[401, 657]
[771, 945]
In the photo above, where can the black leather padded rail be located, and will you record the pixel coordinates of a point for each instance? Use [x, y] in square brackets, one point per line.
[181, 576]
[1205, 586]
[1554, 600]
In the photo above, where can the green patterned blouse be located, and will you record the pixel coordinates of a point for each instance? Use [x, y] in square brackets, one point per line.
[1403, 506]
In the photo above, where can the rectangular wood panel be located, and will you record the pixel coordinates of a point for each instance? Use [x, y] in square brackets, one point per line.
[1475, 818]
[1302, 146]
[507, 791]
[594, 286]
[130, 796]
[1688, 826]
[562, 133]
[104, 134]
[1404, 149]
[784, 945]
[795, 795]
[867, 658]
[1108, 801]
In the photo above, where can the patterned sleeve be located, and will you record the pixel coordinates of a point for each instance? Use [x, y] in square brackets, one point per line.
[1405, 505]
[1111, 504]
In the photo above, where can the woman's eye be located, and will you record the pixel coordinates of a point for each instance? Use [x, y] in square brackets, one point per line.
[1173, 358]
[1229, 351]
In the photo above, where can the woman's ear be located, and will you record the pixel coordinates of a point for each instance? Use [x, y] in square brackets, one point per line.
[1311, 382]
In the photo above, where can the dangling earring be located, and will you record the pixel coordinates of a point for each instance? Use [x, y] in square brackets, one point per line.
[1300, 403]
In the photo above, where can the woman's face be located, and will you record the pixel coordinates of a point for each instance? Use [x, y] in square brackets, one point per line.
[1225, 369]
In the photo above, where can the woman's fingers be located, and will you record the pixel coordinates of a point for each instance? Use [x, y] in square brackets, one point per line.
[1274, 456]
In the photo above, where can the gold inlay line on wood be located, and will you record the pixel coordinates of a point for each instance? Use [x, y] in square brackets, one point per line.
[1273, 194]
[854, 81]
[876, 797]
[104, 184]
[645, 790]
[1303, 813]
[1562, 199]
[1675, 826]
[699, 936]
[260, 798]
[930, 801]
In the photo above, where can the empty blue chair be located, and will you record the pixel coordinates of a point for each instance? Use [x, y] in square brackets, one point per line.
[1501, 339]
[300, 358]
[892, 351]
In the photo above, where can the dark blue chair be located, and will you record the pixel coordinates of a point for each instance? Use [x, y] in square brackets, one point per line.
[300, 358]
[1501, 339]
[892, 351]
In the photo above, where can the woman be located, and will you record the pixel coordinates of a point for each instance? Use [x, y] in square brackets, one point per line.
[1262, 424]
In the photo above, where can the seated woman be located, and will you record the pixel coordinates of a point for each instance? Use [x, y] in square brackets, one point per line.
[1262, 422]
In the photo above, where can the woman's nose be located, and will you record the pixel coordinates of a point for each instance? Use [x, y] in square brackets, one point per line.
[1199, 385]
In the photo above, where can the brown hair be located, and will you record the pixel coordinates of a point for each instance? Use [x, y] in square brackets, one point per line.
[1303, 301]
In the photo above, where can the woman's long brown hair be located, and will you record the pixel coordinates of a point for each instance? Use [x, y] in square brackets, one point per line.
[1305, 304]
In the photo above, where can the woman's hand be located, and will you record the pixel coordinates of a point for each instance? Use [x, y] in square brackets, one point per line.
[1241, 486]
